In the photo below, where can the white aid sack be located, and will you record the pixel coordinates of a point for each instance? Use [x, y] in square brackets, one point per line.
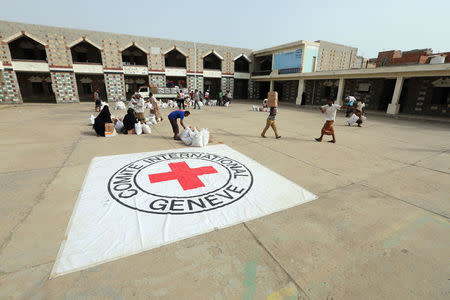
[185, 136]
[119, 105]
[146, 129]
[197, 140]
[118, 126]
[363, 118]
[104, 103]
[92, 120]
[352, 119]
[226, 104]
[205, 136]
[138, 128]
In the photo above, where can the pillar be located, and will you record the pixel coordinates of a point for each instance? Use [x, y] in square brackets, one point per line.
[301, 89]
[394, 106]
[340, 92]
[271, 85]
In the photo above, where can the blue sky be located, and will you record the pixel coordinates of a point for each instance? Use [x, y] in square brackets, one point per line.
[371, 26]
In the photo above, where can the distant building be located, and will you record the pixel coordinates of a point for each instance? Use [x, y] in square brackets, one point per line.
[412, 57]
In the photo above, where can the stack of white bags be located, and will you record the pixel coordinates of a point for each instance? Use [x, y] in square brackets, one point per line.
[142, 128]
[150, 119]
[119, 105]
[194, 137]
[212, 102]
[104, 103]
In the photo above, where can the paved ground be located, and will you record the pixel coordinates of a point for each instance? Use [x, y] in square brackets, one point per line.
[379, 230]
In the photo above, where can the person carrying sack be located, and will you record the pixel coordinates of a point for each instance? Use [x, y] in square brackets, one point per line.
[271, 123]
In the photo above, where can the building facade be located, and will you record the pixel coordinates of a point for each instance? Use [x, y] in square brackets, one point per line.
[51, 64]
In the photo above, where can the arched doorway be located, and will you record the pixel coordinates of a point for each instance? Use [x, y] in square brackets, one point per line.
[241, 65]
[175, 59]
[84, 52]
[212, 62]
[25, 48]
[133, 56]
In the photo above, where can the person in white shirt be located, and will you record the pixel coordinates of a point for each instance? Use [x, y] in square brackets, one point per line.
[360, 109]
[207, 97]
[330, 115]
[139, 108]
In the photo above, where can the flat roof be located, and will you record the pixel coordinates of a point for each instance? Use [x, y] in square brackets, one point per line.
[284, 46]
[394, 71]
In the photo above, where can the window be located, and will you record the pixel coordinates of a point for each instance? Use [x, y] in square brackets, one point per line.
[37, 87]
[87, 88]
[441, 96]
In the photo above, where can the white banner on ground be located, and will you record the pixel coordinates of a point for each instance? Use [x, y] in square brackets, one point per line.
[134, 202]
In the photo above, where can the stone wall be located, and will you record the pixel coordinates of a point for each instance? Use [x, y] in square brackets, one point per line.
[57, 42]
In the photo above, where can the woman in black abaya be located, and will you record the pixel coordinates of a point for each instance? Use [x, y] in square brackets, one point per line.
[103, 117]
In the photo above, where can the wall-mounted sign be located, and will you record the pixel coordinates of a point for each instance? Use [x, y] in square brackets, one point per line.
[135, 70]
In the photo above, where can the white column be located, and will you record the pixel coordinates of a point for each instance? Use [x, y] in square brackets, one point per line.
[271, 85]
[394, 107]
[340, 92]
[301, 89]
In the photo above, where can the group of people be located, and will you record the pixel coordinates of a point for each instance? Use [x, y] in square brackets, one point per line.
[138, 114]
[198, 96]
[330, 109]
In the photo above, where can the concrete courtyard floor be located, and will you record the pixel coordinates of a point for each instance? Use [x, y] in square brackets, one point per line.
[379, 230]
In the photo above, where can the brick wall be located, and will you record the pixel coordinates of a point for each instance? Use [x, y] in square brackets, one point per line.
[59, 58]
[64, 86]
[227, 84]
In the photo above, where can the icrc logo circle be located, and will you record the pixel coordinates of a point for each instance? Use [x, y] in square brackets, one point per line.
[180, 183]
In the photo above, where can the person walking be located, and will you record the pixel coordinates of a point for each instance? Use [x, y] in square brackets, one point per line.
[220, 98]
[196, 99]
[270, 122]
[329, 110]
[156, 110]
[173, 117]
[97, 101]
[180, 100]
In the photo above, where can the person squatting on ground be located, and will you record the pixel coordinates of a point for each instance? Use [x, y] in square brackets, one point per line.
[140, 108]
[271, 123]
[329, 110]
[155, 108]
[196, 99]
[97, 101]
[102, 119]
[173, 116]
[128, 122]
[227, 98]
[360, 110]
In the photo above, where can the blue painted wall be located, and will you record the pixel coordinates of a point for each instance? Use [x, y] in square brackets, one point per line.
[309, 54]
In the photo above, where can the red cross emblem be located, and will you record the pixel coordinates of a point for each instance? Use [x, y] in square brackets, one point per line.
[187, 177]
